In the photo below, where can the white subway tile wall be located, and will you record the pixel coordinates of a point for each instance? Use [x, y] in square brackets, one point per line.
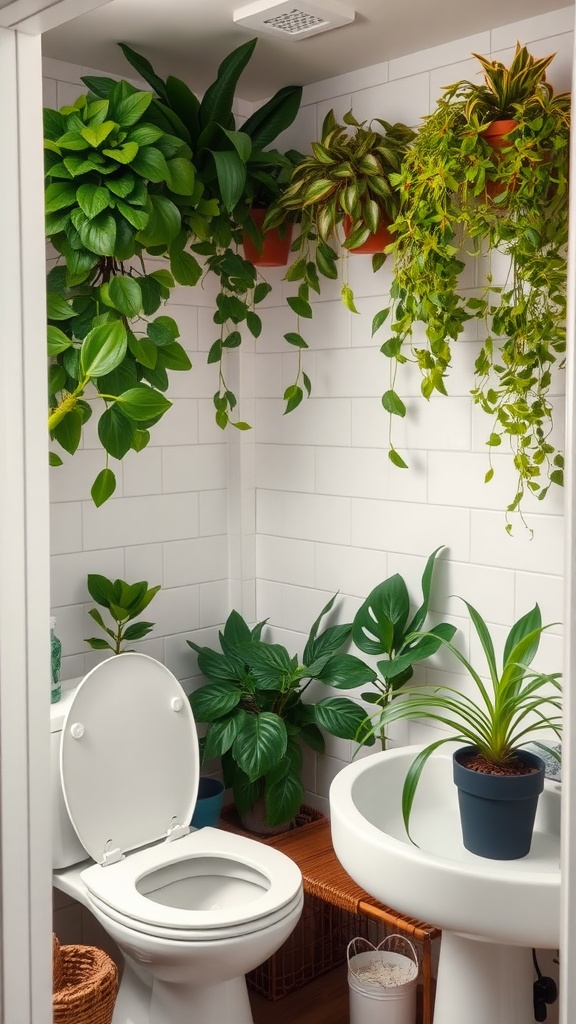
[275, 521]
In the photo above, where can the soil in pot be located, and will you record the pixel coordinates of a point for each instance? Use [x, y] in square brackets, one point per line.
[275, 245]
[498, 809]
[376, 242]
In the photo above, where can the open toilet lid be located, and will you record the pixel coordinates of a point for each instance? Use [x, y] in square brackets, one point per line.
[129, 755]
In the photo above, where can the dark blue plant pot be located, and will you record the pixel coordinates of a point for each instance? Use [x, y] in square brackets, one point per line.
[497, 812]
[208, 803]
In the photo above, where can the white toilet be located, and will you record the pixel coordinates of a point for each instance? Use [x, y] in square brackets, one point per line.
[192, 911]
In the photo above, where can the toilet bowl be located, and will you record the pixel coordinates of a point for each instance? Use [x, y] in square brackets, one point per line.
[191, 911]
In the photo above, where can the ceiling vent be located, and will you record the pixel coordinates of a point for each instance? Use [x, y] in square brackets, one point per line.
[291, 19]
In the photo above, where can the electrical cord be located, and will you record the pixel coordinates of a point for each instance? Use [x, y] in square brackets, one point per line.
[545, 992]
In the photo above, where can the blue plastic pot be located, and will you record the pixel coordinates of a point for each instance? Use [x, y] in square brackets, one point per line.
[208, 803]
[497, 812]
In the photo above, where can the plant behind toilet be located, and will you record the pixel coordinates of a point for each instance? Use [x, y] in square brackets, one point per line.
[123, 601]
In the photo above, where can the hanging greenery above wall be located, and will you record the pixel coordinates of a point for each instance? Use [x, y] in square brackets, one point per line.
[464, 191]
[129, 174]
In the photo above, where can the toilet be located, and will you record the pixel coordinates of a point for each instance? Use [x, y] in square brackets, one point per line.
[191, 911]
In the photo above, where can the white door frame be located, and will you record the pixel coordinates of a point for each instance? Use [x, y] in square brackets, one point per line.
[25, 860]
[25, 848]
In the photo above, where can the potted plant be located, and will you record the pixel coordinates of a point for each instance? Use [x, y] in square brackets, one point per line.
[382, 627]
[123, 602]
[234, 167]
[498, 781]
[257, 716]
[345, 189]
[458, 190]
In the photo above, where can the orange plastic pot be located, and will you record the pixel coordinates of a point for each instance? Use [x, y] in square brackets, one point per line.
[275, 246]
[495, 134]
[376, 242]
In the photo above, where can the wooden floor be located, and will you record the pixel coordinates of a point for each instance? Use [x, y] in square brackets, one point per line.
[322, 1001]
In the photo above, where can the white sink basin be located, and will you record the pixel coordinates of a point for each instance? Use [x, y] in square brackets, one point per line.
[491, 912]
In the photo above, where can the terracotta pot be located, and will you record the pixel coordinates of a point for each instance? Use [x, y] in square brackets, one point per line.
[275, 247]
[375, 242]
[495, 134]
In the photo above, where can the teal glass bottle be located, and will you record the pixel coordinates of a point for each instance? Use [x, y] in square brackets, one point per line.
[55, 658]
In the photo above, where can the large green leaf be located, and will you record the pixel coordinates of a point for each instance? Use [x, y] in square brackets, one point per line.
[529, 623]
[273, 117]
[57, 341]
[99, 234]
[181, 176]
[231, 174]
[339, 716]
[126, 295]
[186, 268]
[69, 431]
[150, 164]
[215, 700]
[260, 744]
[427, 575]
[58, 308]
[58, 196]
[103, 349]
[270, 664]
[284, 795]
[345, 672]
[143, 403]
[116, 432]
[131, 108]
[221, 735]
[163, 223]
[379, 622]
[184, 103]
[236, 629]
[103, 487]
[144, 69]
[216, 105]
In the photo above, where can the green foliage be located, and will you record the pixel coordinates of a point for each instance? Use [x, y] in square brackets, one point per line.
[347, 179]
[123, 602]
[383, 626]
[116, 187]
[256, 714]
[514, 705]
[237, 171]
[459, 193]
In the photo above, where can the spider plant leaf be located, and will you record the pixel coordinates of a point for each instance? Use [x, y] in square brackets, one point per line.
[529, 623]
[413, 778]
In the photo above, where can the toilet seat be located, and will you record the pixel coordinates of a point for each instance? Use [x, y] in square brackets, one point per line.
[129, 758]
[269, 885]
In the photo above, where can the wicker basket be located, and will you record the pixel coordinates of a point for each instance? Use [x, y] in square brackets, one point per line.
[85, 983]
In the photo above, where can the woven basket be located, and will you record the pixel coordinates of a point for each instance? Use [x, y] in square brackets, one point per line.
[85, 983]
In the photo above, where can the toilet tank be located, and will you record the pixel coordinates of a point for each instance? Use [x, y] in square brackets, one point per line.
[66, 847]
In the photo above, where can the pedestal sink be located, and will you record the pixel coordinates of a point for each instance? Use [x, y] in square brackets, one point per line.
[491, 912]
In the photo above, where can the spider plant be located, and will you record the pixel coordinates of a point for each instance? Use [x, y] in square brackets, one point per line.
[514, 705]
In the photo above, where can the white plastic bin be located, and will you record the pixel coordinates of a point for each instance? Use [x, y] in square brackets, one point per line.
[382, 981]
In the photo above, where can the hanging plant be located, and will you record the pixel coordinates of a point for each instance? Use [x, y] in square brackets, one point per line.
[237, 170]
[116, 188]
[459, 189]
[343, 196]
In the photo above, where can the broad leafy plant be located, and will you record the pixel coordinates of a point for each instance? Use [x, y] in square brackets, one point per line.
[123, 602]
[257, 714]
[237, 169]
[460, 195]
[514, 703]
[346, 181]
[383, 626]
[116, 186]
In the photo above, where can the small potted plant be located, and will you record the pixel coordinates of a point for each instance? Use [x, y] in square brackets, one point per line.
[459, 191]
[255, 708]
[123, 602]
[498, 781]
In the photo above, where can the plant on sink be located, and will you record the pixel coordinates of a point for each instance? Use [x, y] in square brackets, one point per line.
[123, 602]
[344, 186]
[466, 189]
[256, 713]
[498, 781]
[382, 627]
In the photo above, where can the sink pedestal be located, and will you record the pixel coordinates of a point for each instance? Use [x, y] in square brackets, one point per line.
[482, 981]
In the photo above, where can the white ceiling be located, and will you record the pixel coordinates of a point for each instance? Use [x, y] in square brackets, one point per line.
[189, 38]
